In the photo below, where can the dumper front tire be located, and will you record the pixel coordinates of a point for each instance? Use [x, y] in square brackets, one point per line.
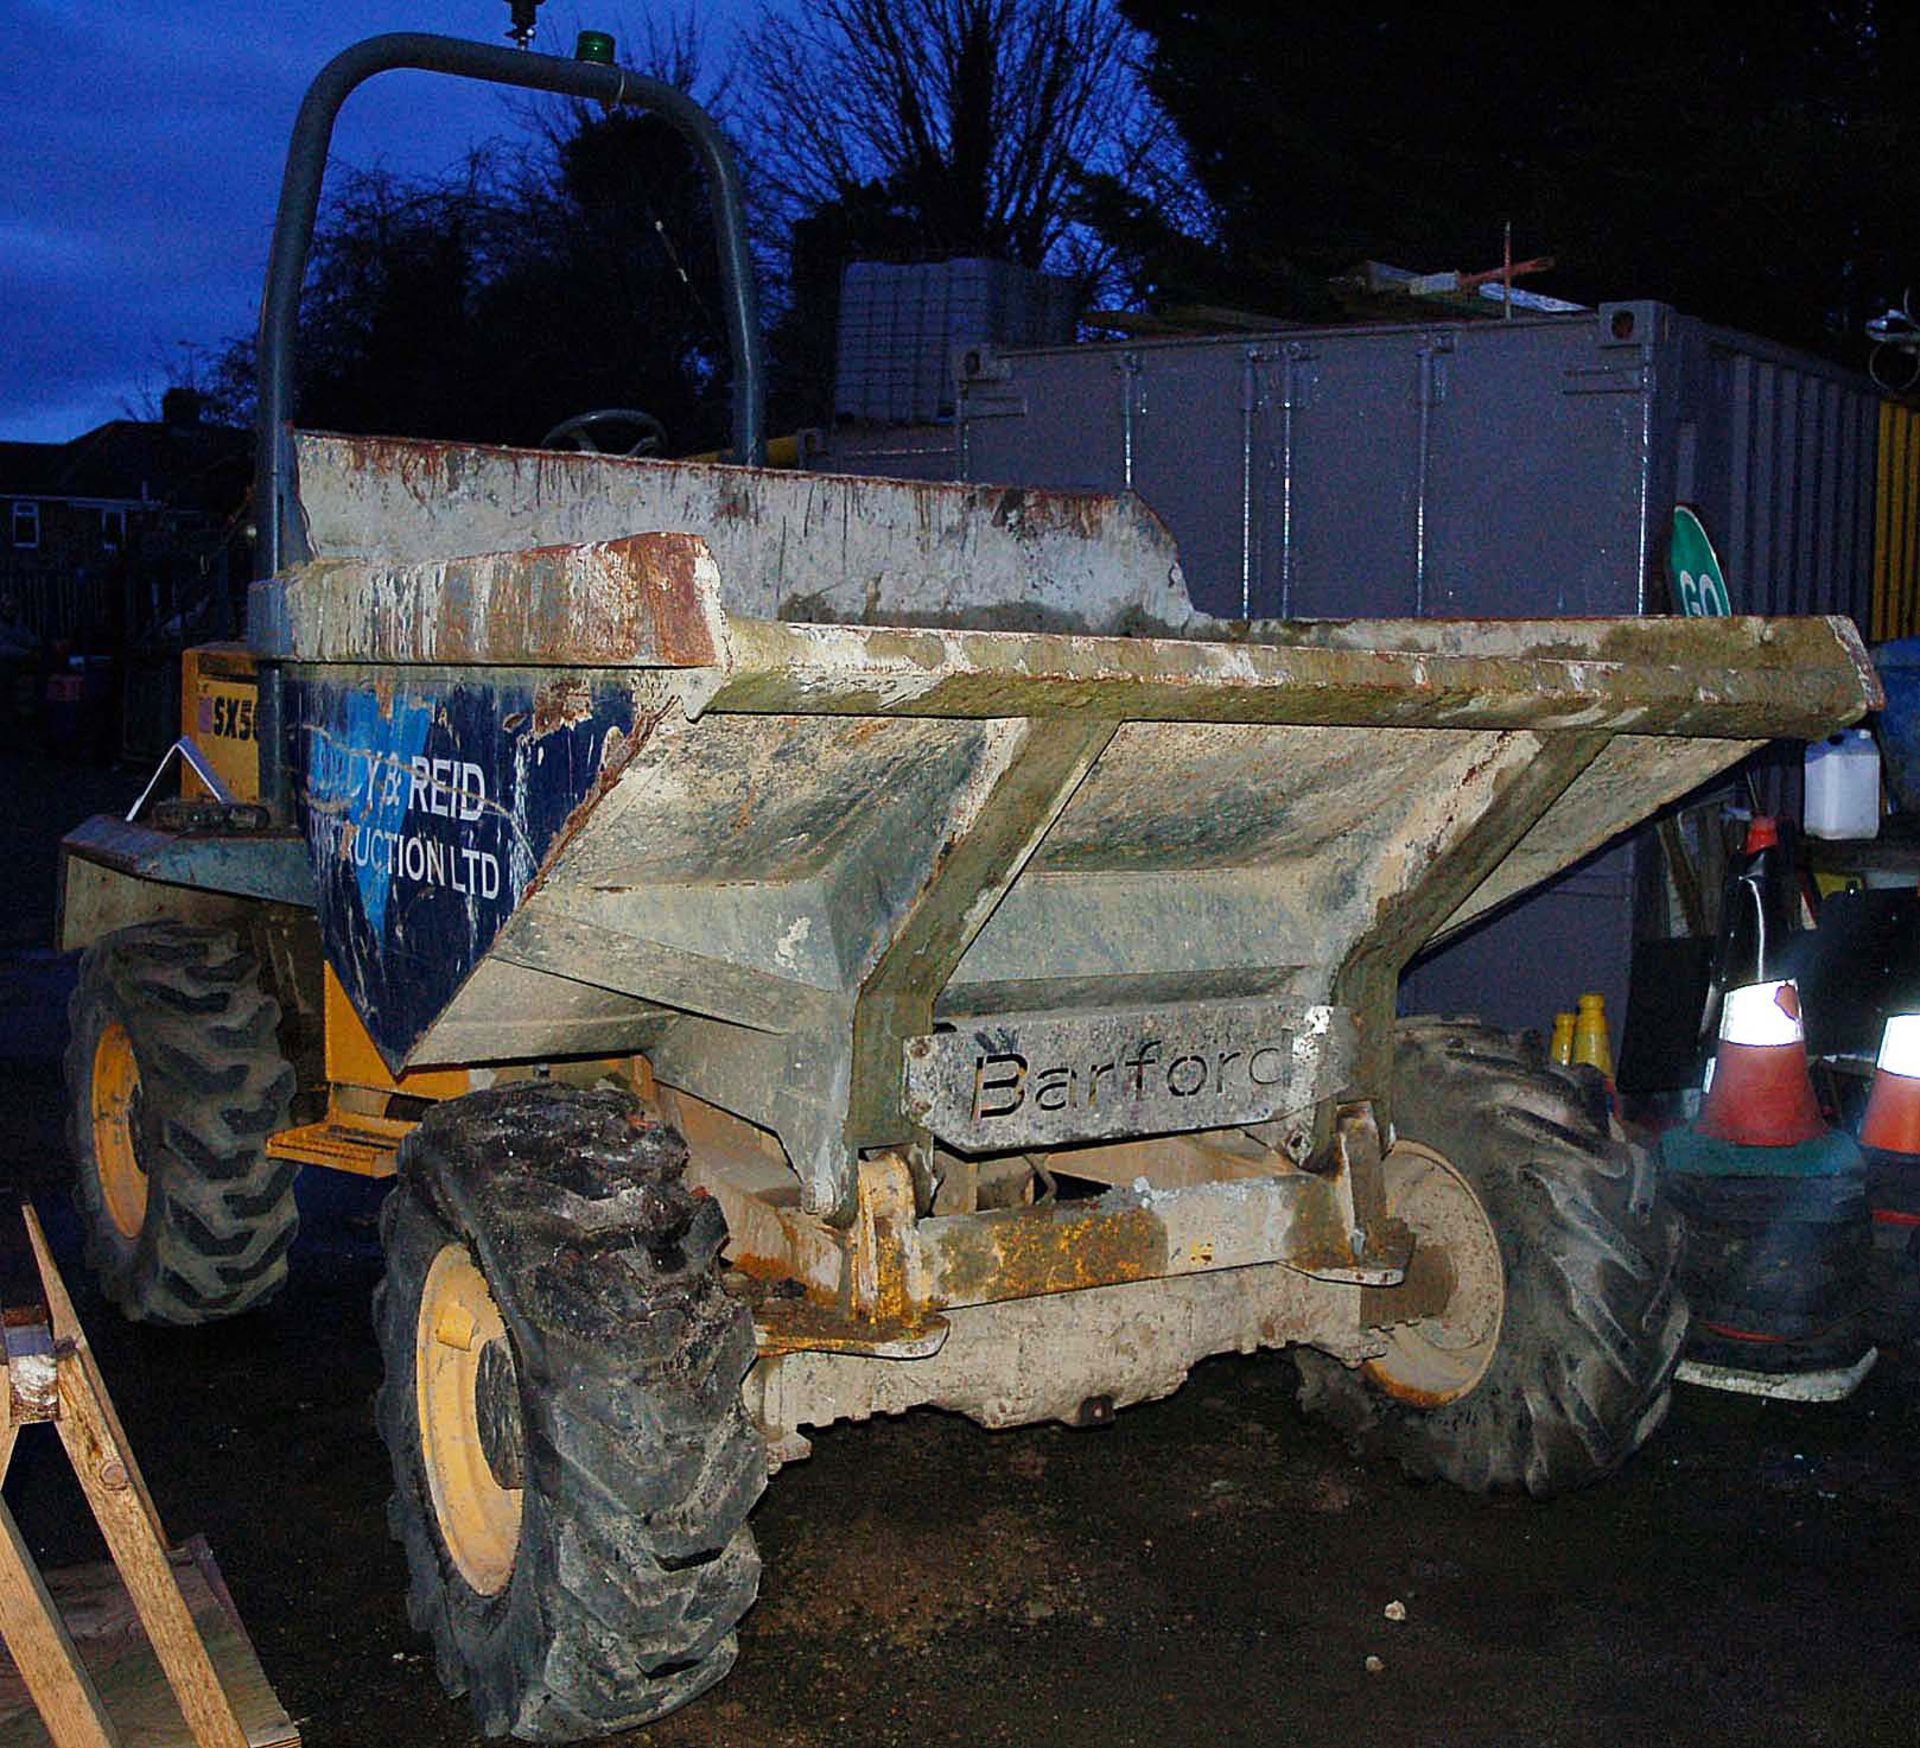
[572, 1464]
[1553, 1361]
[175, 1079]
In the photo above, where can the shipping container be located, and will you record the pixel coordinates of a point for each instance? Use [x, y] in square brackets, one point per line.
[1482, 468]
[1493, 468]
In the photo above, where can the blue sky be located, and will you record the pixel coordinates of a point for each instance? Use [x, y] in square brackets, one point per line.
[140, 157]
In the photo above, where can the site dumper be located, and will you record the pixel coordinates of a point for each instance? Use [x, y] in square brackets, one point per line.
[812, 947]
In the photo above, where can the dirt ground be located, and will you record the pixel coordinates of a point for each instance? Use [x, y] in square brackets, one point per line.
[1211, 1569]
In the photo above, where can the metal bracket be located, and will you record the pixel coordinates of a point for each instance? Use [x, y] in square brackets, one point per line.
[190, 755]
[1379, 1248]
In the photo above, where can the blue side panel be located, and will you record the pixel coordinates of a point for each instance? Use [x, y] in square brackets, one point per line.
[429, 807]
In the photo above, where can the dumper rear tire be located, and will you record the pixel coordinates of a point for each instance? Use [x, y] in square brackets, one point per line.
[1559, 1377]
[573, 1467]
[175, 1080]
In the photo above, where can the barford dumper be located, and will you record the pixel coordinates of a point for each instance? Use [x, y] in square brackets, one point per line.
[810, 947]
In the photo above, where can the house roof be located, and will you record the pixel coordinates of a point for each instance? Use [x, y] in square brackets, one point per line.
[188, 465]
[29, 469]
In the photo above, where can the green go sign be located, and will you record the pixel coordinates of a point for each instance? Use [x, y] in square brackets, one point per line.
[1699, 585]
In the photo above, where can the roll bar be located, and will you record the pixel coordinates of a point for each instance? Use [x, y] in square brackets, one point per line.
[281, 540]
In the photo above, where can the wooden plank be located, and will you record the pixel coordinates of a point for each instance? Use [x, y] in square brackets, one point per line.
[126, 1519]
[26, 1326]
[106, 1629]
[50, 1671]
[71, 1339]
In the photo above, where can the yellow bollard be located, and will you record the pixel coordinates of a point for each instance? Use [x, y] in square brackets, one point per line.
[1590, 1041]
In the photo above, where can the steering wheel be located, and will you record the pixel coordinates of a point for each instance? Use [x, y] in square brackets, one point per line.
[584, 432]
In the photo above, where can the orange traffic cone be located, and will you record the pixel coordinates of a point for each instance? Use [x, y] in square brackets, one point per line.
[1890, 1136]
[1759, 1093]
[1892, 1122]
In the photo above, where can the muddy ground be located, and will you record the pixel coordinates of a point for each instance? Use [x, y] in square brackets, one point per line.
[1211, 1569]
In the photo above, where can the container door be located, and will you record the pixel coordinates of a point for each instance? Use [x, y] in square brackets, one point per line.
[1343, 488]
[1537, 475]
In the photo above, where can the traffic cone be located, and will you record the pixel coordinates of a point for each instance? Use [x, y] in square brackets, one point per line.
[1776, 1209]
[1890, 1138]
[1892, 1122]
[1759, 1093]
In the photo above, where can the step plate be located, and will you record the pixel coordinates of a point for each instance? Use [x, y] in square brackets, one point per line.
[365, 1146]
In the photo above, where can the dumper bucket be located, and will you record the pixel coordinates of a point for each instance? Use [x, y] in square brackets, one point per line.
[784, 778]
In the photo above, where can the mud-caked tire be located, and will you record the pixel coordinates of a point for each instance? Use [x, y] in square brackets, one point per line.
[175, 1079]
[552, 1300]
[1555, 1379]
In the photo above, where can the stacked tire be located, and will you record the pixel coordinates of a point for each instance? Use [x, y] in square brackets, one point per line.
[1776, 1267]
[1893, 1264]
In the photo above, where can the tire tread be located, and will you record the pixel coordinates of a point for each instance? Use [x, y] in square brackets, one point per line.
[214, 1085]
[1594, 1319]
[636, 1561]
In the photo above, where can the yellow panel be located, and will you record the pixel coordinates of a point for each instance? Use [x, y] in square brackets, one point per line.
[219, 711]
[1906, 616]
[352, 1059]
[1896, 545]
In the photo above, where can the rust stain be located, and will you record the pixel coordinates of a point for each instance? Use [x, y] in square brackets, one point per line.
[621, 752]
[419, 465]
[1320, 1237]
[639, 599]
[1037, 510]
[1023, 1252]
[560, 704]
[765, 1272]
[682, 627]
[808, 1326]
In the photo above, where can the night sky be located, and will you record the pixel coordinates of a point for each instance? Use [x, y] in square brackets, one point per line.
[140, 158]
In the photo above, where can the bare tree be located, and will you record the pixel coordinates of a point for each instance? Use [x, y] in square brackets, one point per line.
[978, 121]
[571, 268]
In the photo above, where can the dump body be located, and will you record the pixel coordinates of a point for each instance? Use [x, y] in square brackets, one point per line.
[790, 781]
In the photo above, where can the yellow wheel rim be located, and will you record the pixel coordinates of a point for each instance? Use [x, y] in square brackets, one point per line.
[116, 1084]
[479, 1519]
[1438, 1358]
